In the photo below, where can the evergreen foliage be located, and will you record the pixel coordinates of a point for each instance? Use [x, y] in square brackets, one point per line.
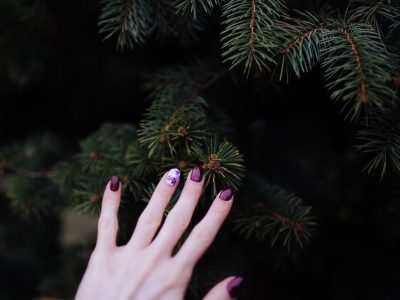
[176, 116]
[269, 210]
[174, 132]
[31, 191]
[128, 19]
[357, 51]
[247, 37]
[171, 27]
[359, 67]
[301, 43]
[193, 6]
[376, 13]
[381, 139]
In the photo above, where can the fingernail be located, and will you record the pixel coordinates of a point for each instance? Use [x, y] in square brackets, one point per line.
[114, 184]
[226, 194]
[173, 176]
[234, 286]
[197, 174]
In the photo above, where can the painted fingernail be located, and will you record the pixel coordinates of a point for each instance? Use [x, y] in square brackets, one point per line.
[173, 176]
[226, 194]
[197, 174]
[234, 286]
[114, 184]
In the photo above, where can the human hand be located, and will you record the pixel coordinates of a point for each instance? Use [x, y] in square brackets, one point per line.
[144, 268]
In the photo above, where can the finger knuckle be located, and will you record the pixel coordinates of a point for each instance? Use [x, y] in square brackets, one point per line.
[178, 277]
[218, 213]
[97, 256]
[174, 276]
[106, 223]
[149, 221]
[203, 233]
[179, 221]
[192, 189]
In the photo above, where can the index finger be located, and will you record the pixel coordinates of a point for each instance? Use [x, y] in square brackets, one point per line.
[107, 226]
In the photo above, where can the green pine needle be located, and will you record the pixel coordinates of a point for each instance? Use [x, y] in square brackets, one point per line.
[266, 209]
[381, 139]
[128, 19]
[222, 164]
[301, 41]
[177, 117]
[172, 28]
[379, 14]
[358, 67]
[248, 38]
[194, 6]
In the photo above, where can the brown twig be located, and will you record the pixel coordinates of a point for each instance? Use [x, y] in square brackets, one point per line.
[126, 12]
[300, 39]
[251, 42]
[192, 96]
[363, 90]
[296, 225]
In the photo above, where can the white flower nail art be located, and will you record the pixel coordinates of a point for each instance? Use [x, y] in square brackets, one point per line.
[173, 176]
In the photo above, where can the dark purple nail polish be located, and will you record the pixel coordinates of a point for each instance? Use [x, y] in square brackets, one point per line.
[226, 194]
[197, 174]
[234, 286]
[114, 184]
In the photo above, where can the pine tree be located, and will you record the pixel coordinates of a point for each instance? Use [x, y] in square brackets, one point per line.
[356, 49]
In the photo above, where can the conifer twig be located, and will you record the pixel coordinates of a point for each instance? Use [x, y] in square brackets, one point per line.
[359, 66]
[192, 96]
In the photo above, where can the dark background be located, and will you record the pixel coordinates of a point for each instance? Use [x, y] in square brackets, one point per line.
[61, 78]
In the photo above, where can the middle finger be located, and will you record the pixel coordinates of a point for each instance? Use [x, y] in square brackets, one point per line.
[179, 217]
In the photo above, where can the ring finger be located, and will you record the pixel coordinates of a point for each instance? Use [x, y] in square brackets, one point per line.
[205, 231]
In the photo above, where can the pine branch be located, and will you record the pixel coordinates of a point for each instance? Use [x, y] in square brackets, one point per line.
[31, 198]
[267, 209]
[128, 19]
[222, 164]
[194, 6]
[111, 150]
[170, 27]
[381, 138]
[31, 192]
[301, 40]
[358, 67]
[248, 38]
[195, 93]
[376, 14]
[167, 122]
[177, 115]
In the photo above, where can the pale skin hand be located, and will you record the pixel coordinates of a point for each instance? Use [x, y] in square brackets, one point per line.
[144, 268]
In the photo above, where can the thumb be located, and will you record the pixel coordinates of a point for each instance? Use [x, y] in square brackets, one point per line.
[226, 289]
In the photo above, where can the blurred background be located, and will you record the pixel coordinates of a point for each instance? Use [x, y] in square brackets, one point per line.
[57, 76]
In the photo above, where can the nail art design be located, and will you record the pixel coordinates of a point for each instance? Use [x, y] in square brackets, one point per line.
[114, 184]
[226, 194]
[173, 176]
[234, 286]
[197, 174]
